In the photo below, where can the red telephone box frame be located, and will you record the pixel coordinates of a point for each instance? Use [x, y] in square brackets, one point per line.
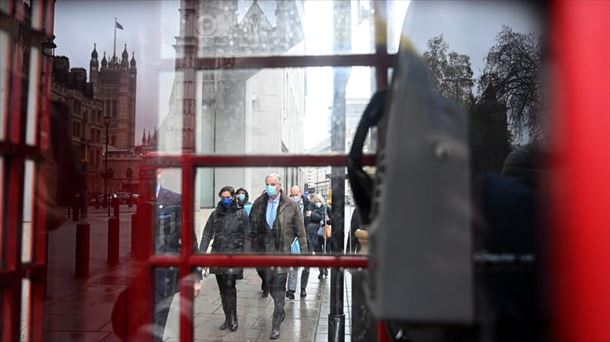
[581, 256]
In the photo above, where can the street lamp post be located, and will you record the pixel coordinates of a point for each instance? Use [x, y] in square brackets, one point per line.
[106, 204]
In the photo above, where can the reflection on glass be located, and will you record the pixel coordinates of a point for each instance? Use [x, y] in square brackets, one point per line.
[2, 209]
[262, 28]
[267, 111]
[167, 208]
[28, 214]
[26, 297]
[4, 72]
[167, 303]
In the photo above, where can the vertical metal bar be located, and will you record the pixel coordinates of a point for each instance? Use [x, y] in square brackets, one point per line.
[581, 156]
[186, 283]
[342, 43]
[12, 298]
[16, 101]
[190, 48]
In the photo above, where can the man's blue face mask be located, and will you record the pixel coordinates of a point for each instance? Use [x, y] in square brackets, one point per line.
[241, 197]
[271, 190]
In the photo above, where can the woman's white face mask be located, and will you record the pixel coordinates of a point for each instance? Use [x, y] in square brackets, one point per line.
[318, 204]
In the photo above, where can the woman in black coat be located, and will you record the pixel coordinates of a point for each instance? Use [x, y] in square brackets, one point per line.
[229, 226]
[314, 218]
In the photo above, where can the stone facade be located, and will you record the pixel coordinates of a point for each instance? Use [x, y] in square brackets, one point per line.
[81, 115]
[114, 83]
[124, 165]
[236, 111]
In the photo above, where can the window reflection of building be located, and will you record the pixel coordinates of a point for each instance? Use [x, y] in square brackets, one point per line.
[76, 105]
[237, 111]
[114, 82]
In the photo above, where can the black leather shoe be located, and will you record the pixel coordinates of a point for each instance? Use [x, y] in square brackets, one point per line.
[275, 333]
[265, 294]
[303, 293]
[290, 294]
[233, 323]
[321, 276]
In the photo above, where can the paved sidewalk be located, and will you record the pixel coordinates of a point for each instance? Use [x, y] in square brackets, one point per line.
[306, 319]
[79, 309]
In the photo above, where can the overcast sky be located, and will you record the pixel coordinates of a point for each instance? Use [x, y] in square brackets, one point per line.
[150, 27]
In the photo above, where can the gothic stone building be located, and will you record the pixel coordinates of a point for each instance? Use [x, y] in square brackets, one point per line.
[236, 111]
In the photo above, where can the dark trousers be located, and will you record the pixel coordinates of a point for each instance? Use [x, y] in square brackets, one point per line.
[262, 273]
[323, 247]
[228, 293]
[162, 304]
[277, 287]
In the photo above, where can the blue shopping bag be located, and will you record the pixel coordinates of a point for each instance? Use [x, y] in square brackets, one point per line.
[295, 247]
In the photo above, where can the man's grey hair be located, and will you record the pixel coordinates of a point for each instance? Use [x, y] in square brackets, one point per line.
[279, 179]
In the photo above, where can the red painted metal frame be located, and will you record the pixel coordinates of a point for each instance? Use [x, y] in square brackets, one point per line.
[162, 160]
[580, 273]
[244, 260]
[15, 153]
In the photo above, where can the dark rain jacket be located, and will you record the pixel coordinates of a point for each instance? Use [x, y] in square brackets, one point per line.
[229, 228]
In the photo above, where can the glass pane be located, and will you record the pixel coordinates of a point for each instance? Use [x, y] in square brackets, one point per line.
[168, 211]
[232, 216]
[37, 14]
[268, 111]
[4, 77]
[167, 304]
[28, 212]
[488, 70]
[2, 211]
[26, 297]
[33, 100]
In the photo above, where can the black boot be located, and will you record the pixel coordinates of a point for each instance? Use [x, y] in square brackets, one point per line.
[303, 293]
[233, 315]
[224, 325]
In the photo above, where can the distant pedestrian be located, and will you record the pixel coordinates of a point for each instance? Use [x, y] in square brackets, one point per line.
[303, 202]
[243, 199]
[276, 221]
[229, 227]
[316, 223]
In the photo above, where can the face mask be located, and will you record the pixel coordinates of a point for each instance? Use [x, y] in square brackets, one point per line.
[271, 190]
[227, 201]
[241, 197]
[318, 204]
[296, 199]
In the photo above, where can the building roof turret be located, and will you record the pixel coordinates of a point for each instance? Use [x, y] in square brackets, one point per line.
[94, 52]
[132, 63]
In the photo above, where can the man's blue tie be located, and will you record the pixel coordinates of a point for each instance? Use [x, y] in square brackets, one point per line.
[271, 216]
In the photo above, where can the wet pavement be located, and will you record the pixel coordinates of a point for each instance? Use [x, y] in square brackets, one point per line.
[80, 309]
